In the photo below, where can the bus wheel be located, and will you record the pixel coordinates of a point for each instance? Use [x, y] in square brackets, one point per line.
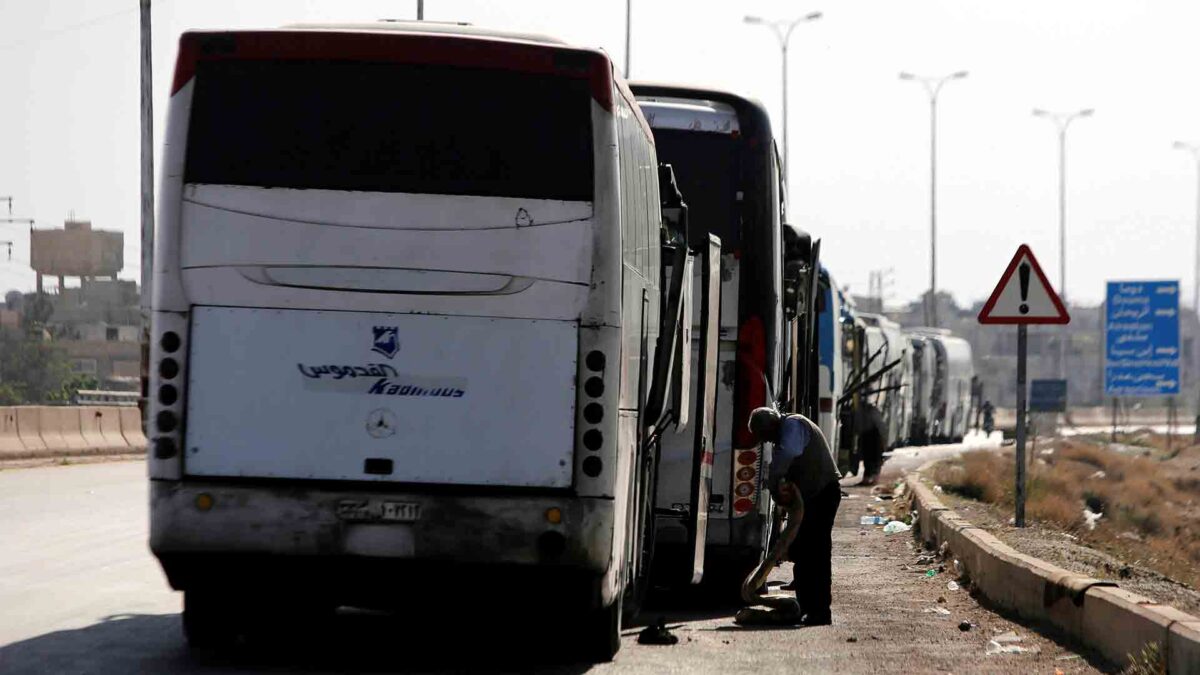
[601, 635]
[209, 620]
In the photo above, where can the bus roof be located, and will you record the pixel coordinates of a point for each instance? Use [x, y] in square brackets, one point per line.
[428, 27]
[746, 107]
[413, 42]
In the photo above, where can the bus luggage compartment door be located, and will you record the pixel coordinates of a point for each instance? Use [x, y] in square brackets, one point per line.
[705, 415]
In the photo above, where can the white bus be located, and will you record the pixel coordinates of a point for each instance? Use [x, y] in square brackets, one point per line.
[723, 153]
[408, 287]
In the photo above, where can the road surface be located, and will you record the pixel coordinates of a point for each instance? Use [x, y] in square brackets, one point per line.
[80, 593]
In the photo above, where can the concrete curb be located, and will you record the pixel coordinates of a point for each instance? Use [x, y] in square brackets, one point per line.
[1111, 620]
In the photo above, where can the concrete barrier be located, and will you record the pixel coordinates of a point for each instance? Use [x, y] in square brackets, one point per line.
[10, 441]
[102, 428]
[1111, 620]
[131, 427]
[50, 427]
[61, 430]
[29, 430]
[89, 428]
[110, 426]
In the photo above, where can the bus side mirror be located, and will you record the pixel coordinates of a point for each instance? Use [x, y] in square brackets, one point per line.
[674, 209]
[797, 249]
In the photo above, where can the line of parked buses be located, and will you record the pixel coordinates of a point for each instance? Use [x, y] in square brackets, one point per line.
[434, 303]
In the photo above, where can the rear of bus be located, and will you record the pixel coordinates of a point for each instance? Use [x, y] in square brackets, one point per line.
[387, 318]
[830, 356]
[721, 148]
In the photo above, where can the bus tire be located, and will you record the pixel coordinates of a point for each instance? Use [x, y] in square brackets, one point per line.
[209, 620]
[600, 636]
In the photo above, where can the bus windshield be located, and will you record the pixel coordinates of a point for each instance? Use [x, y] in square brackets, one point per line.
[387, 127]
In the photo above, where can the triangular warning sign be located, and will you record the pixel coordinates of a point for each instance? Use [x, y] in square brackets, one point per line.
[1024, 295]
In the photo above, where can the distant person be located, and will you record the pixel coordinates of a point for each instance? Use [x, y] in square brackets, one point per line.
[989, 417]
[803, 468]
[872, 442]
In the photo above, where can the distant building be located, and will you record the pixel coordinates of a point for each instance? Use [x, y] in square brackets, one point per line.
[97, 323]
[76, 251]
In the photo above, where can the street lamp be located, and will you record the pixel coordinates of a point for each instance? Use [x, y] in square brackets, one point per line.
[1062, 121]
[1194, 149]
[783, 32]
[933, 86]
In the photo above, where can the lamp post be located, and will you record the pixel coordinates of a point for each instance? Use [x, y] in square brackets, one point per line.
[628, 34]
[1194, 150]
[933, 86]
[783, 32]
[1062, 121]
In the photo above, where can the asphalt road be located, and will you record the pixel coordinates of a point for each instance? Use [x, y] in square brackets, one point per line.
[80, 593]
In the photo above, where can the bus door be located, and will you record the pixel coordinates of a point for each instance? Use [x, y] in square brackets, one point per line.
[706, 402]
[800, 292]
[676, 338]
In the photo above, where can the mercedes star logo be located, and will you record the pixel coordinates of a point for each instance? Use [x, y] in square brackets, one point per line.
[381, 423]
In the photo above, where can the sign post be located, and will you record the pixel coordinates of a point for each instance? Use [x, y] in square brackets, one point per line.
[1022, 297]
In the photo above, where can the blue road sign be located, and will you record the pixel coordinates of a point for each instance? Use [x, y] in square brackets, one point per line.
[1141, 338]
[1048, 396]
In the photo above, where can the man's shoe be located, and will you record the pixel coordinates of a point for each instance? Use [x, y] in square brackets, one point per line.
[817, 620]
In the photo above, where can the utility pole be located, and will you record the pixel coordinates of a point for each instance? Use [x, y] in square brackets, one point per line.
[1062, 121]
[783, 32]
[933, 87]
[628, 34]
[420, 10]
[878, 283]
[147, 119]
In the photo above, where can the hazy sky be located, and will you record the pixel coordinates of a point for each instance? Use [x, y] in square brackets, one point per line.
[859, 136]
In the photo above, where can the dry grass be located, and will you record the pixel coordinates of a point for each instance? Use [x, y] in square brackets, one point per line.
[1150, 504]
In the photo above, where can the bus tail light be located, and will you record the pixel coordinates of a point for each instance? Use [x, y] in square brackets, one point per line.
[751, 393]
[751, 390]
[745, 482]
[164, 414]
[596, 417]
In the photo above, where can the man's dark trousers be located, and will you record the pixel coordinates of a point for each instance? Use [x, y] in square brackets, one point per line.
[812, 552]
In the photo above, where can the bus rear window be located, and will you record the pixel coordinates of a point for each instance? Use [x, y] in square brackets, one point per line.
[383, 127]
[707, 168]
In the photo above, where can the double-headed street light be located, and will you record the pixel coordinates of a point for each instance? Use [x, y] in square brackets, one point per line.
[1062, 121]
[783, 31]
[933, 86]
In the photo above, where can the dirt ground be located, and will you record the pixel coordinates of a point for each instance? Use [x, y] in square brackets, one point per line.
[1157, 563]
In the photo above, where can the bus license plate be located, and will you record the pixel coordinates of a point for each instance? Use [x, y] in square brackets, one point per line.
[373, 511]
[401, 512]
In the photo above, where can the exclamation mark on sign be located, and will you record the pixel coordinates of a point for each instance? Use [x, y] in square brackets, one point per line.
[1023, 272]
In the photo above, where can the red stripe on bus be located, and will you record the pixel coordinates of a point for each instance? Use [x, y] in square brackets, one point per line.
[448, 50]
